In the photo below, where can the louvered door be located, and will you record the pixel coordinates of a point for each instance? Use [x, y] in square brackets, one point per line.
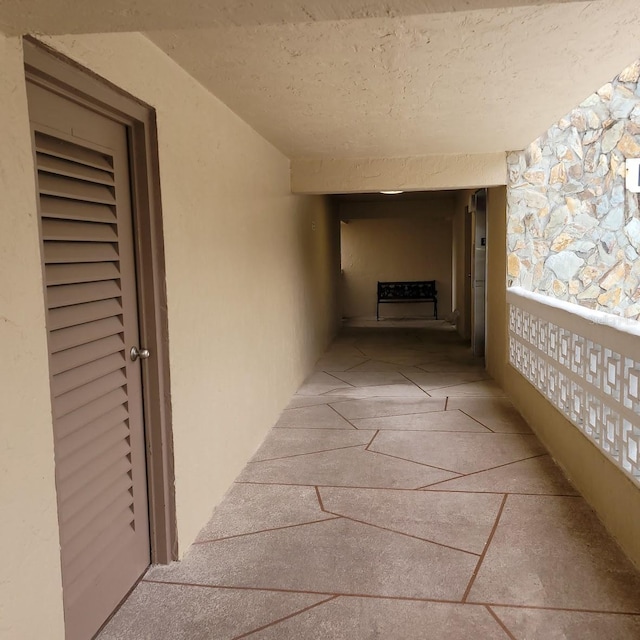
[92, 320]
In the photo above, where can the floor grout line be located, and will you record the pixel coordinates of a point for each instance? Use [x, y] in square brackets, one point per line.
[251, 533]
[422, 464]
[387, 597]
[391, 415]
[413, 490]
[503, 626]
[310, 453]
[375, 435]
[473, 473]
[357, 365]
[319, 496]
[478, 421]
[474, 575]
[341, 416]
[292, 615]
[401, 533]
[415, 384]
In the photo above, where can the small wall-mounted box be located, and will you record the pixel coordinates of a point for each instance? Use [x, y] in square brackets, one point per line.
[633, 175]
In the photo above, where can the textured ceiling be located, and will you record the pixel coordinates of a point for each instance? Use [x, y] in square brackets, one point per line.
[443, 83]
[375, 78]
[97, 16]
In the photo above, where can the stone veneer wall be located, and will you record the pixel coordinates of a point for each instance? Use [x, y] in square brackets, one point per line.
[573, 228]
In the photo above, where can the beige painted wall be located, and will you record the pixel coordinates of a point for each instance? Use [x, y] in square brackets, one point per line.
[389, 241]
[614, 497]
[461, 302]
[496, 355]
[30, 586]
[426, 173]
[251, 276]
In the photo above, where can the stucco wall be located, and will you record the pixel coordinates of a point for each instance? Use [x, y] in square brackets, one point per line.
[461, 302]
[390, 241]
[30, 585]
[251, 274]
[574, 230]
[364, 175]
[496, 353]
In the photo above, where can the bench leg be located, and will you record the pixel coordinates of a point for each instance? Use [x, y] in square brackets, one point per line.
[377, 311]
[435, 309]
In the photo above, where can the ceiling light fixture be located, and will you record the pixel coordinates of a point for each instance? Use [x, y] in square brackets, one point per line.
[391, 193]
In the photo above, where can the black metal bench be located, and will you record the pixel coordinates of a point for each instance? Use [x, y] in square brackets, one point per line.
[418, 291]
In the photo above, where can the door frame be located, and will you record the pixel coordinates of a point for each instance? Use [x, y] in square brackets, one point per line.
[50, 69]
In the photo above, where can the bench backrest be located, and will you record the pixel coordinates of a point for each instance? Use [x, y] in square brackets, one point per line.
[417, 290]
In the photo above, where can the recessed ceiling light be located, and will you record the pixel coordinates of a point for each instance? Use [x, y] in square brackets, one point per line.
[391, 193]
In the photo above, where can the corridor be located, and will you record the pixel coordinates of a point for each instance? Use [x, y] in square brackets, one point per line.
[399, 496]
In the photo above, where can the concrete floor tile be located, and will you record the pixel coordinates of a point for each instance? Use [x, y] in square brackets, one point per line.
[484, 388]
[319, 383]
[297, 402]
[248, 508]
[538, 475]
[498, 414]
[532, 624]
[463, 521]
[417, 493]
[290, 442]
[371, 378]
[407, 390]
[335, 556]
[320, 416]
[351, 618]
[553, 551]
[175, 612]
[452, 366]
[433, 421]
[375, 366]
[378, 407]
[345, 467]
[438, 380]
[338, 362]
[458, 452]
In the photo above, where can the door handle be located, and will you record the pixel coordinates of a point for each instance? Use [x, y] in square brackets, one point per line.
[136, 353]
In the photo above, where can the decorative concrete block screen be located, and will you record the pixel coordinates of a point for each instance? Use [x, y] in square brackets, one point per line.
[573, 229]
[587, 364]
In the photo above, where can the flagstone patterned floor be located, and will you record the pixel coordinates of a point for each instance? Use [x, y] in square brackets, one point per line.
[399, 496]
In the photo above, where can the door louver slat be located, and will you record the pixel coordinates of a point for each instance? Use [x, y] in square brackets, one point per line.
[81, 231]
[67, 485]
[62, 209]
[90, 432]
[76, 378]
[109, 542]
[117, 473]
[68, 151]
[90, 412]
[71, 358]
[70, 252]
[62, 296]
[68, 169]
[59, 274]
[62, 187]
[63, 317]
[82, 396]
[70, 337]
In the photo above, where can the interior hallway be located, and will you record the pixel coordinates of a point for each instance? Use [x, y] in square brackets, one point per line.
[399, 496]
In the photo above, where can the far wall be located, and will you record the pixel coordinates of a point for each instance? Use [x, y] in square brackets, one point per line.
[395, 240]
